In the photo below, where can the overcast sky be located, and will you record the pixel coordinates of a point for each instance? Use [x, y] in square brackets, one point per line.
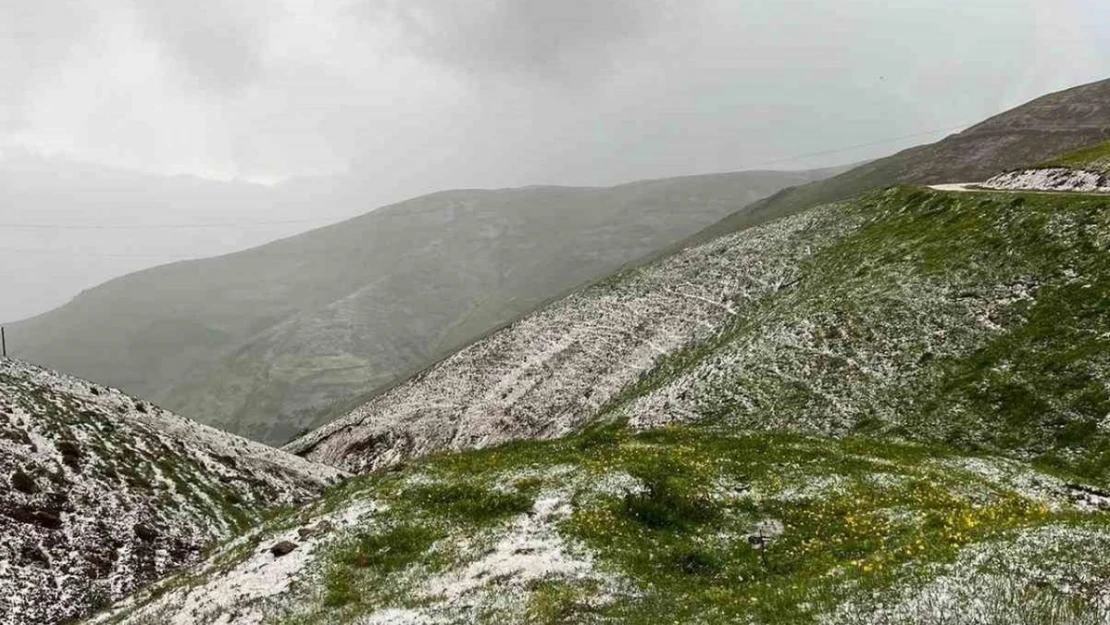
[412, 96]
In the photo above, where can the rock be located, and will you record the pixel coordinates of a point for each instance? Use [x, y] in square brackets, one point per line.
[71, 454]
[146, 533]
[283, 548]
[31, 553]
[49, 519]
[24, 483]
[68, 448]
[321, 528]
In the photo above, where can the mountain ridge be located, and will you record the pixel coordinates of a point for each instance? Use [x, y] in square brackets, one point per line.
[1022, 136]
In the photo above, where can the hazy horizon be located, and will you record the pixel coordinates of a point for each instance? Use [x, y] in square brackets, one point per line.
[367, 102]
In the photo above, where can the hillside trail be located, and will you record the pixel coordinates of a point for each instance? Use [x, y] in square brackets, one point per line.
[958, 187]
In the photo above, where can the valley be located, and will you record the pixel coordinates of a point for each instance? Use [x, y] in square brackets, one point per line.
[877, 398]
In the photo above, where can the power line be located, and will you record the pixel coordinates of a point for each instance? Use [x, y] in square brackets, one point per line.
[99, 255]
[866, 145]
[154, 226]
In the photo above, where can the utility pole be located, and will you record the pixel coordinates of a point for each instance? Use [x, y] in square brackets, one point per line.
[3, 342]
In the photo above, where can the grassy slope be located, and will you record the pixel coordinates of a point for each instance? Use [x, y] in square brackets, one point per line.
[910, 416]
[656, 526]
[1095, 158]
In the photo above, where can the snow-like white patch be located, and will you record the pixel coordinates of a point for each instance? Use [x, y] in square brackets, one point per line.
[1014, 476]
[886, 480]
[731, 489]
[395, 616]
[1050, 179]
[530, 550]
[497, 575]
[813, 487]
[616, 483]
[239, 595]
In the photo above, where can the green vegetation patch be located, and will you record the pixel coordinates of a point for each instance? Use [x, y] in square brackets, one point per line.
[468, 502]
[692, 532]
[1094, 158]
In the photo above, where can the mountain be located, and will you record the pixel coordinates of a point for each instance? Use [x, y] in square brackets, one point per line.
[103, 493]
[265, 342]
[888, 410]
[1044, 128]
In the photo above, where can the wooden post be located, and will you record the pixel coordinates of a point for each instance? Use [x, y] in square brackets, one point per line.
[3, 342]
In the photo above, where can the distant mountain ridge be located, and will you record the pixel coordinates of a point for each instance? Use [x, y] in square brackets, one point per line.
[263, 342]
[1044, 128]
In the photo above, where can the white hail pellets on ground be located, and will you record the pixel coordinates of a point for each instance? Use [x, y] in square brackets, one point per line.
[240, 594]
[531, 549]
[1050, 179]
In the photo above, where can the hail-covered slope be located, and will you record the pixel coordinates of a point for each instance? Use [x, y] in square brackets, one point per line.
[890, 411]
[103, 493]
[912, 311]
[552, 371]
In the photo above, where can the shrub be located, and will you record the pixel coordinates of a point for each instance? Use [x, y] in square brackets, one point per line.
[470, 502]
[670, 499]
[390, 551]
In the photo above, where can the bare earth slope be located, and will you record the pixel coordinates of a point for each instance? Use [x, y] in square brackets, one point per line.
[103, 493]
[263, 342]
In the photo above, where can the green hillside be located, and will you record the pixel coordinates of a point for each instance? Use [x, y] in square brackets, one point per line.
[914, 431]
[1095, 158]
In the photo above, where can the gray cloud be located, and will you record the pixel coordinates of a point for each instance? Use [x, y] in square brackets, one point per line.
[217, 43]
[412, 96]
[568, 40]
[416, 95]
[36, 40]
